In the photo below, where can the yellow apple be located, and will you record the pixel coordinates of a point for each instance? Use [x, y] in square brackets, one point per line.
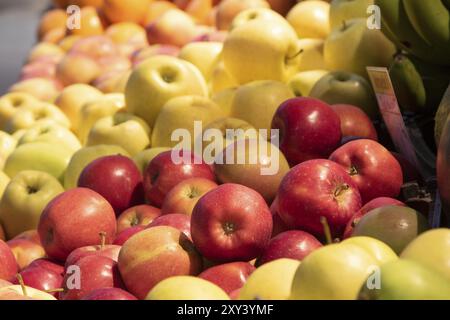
[72, 99]
[157, 80]
[203, 55]
[7, 145]
[4, 180]
[83, 157]
[228, 9]
[180, 113]
[342, 10]
[311, 56]
[271, 281]
[45, 49]
[334, 272]
[94, 110]
[122, 129]
[52, 133]
[258, 13]
[376, 248]
[310, 19]
[10, 102]
[257, 102]
[186, 288]
[224, 99]
[41, 88]
[350, 48]
[261, 50]
[143, 158]
[29, 293]
[303, 82]
[24, 199]
[221, 79]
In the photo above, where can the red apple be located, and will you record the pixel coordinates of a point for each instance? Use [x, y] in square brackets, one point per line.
[155, 254]
[355, 122]
[293, 244]
[178, 221]
[117, 179]
[25, 251]
[235, 294]
[95, 272]
[231, 223]
[165, 171]
[109, 294]
[278, 225]
[110, 251]
[75, 219]
[229, 276]
[8, 265]
[140, 215]
[49, 265]
[373, 204]
[126, 234]
[372, 167]
[309, 129]
[316, 189]
[41, 278]
[183, 197]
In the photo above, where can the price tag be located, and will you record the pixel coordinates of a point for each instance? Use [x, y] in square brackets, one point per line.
[390, 110]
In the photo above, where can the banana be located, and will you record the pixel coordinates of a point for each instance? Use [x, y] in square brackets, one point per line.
[408, 84]
[431, 19]
[396, 24]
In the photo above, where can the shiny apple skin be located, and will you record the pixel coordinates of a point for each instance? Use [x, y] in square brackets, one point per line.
[178, 221]
[162, 174]
[372, 167]
[117, 179]
[309, 129]
[109, 294]
[293, 244]
[369, 206]
[355, 122]
[110, 251]
[231, 223]
[140, 215]
[315, 189]
[41, 278]
[126, 234]
[229, 276]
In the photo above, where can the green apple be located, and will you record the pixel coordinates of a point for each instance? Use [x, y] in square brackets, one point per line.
[310, 19]
[122, 129]
[4, 180]
[432, 249]
[158, 79]
[311, 56]
[302, 83]
[376, 248]
[180, 113]
[343, 10]
[10, 102]
[24, 199]
[334, 272]
[406, 280]
[94, 110]
[346, 88]
[271, 281]
[186, 288]
[7, 145]
[224, 99]
[41, 156]
[73, 98]
[252, 14]
[143, 158]
[204, 55]
[261, 50]
[28, 116]
[351, 48]
[257, 102]
[52, 133]
[83, 157]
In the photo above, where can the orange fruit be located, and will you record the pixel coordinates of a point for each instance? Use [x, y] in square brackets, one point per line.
[125, 11]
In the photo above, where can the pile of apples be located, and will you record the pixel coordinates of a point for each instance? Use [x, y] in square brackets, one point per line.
[94, 207]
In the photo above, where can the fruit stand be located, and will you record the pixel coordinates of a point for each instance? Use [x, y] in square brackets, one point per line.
[227, 150]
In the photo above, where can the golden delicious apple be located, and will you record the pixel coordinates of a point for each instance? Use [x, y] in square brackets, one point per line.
[83, 157]
[303, 82]
[10, 102]
[257, 102]
[343, 10]
[261, 50]
[180, 113]
[186, 288]
[41, 88]
[7, 145]
[24, 199]
[310, 19]
[224, 99]
[259, 13]
[158, 79]
[376, 248]
[221, 79]
[334, 272]
[72, 99]
[4, 180]
[122, 129]
[143, 158]
[351, 48]
[227, 10]
[311, 56]
[204, 55]
[271, 281]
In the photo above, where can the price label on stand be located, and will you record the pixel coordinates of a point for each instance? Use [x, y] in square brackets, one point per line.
[390, 110]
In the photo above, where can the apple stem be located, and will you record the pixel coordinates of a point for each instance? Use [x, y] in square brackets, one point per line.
[54, 290]
[340, 189]
[326, 230]
[295, 55]
[102, 239]
[22, 284]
